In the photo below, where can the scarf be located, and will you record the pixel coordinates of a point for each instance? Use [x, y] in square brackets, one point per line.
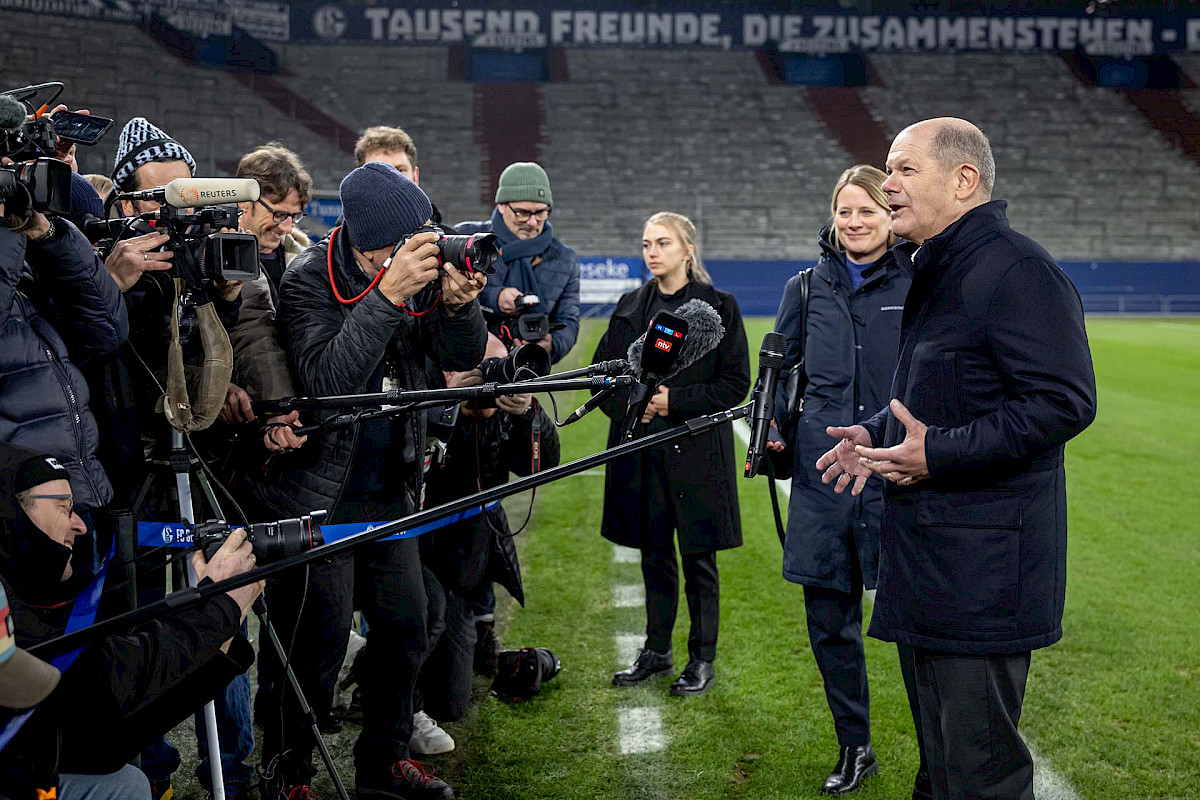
[518, 254]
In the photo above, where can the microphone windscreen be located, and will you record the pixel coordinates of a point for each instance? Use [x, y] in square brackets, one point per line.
[189, 192]
[705, 332]
[12, 113]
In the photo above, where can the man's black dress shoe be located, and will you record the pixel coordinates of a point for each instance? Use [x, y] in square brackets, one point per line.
[922, 786]
[648, 664]
[696, 677]
[855, 764]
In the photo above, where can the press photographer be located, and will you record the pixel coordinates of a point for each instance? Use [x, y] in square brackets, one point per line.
[134, 686]
[534, 261]
[514, 435]
[356, 315]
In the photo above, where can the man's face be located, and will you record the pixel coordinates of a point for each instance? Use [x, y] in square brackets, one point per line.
[149, 176]
[55, 515]
[259, 218]
[398, 159]
[525, 218]
[920, 191]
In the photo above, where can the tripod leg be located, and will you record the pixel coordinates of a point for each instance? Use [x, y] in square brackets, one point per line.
[260, 610]
[180, 460]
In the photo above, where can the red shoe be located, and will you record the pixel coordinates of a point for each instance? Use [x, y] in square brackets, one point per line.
[405, 780]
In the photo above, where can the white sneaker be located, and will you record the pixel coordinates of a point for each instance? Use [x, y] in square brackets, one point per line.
[428, 739]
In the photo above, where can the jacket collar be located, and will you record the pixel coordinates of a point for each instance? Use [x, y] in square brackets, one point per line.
[831, 267]
[631, 305]
[961, 234]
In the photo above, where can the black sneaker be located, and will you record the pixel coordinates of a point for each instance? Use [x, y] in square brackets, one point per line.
[404, 780]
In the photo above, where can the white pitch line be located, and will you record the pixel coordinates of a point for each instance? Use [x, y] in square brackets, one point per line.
[641, 730]
[628, 645]
[626, 555]
[1048, 784]
[629, 596]
[743, 433]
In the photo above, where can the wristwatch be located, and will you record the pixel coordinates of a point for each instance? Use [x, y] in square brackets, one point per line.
[49, 234]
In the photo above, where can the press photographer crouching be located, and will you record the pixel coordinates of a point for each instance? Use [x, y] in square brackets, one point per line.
[513, 435]
[124, 691]
[359, 312]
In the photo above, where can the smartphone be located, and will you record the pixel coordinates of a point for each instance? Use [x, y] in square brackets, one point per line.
[80, 128]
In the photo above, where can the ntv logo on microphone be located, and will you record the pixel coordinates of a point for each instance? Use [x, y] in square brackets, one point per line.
[663, 344]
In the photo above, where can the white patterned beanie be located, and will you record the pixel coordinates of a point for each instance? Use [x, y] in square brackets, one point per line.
[141, 143]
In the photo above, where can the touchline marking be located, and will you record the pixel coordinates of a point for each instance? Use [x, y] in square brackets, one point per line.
[641, 730]
[626, 555]
[629, 596]
[743, 433]
[628, 645]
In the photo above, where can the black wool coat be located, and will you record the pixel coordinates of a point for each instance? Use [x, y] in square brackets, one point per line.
[994, 358]
[702, 470]
[853, 335]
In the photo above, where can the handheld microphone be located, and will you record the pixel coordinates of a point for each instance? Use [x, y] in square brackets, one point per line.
[192, 192]
[652, 364]
[770, 361]
[12, 113]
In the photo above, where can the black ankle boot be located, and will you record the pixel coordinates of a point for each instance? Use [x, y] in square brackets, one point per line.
[648, 664]
[855, 764]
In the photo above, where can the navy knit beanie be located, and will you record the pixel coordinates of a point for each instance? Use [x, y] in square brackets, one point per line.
[85, 201]
[381, 206]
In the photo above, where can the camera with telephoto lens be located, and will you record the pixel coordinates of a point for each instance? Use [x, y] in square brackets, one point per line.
[527, 362]
[476, 252]
[203, 252]
[271, 541]
[521, 673]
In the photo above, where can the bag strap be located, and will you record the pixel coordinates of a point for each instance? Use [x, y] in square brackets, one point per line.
[797, 398]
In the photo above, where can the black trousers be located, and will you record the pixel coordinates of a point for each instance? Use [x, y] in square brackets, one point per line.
[700, 583]
[385, 581]
[835, 633]
[969, 707]
[447, 674]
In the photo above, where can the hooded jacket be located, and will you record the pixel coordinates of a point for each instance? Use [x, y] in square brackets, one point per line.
[57, 305]
[130, 688]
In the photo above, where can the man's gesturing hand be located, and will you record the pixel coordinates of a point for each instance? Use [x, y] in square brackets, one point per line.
[842, 463]
[414, 265]
[903, 464]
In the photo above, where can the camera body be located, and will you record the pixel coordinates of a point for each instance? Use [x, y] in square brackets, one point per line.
[202, 252]
[532, 324]
[271, 541]
[476, 252]
[42, 184]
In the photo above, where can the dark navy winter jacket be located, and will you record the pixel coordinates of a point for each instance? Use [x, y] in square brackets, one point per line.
[994, 358]
[58, 305]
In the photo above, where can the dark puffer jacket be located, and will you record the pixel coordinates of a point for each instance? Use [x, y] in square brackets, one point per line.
[341, 349]
[57, 305]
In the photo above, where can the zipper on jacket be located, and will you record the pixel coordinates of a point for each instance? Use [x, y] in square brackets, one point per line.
[64, 380]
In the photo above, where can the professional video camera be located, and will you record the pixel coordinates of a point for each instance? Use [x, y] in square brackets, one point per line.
[271, 541]
[476, 252]
[190, 216]
[37, 181]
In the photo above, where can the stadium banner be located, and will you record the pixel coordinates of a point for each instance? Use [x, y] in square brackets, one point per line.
[602, 280]
[266, 21]
[723, 27]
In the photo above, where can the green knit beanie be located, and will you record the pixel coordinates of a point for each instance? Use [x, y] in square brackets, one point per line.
[524, 181]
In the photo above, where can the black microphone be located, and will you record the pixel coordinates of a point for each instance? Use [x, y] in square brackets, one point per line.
[770, 361]
[659, 354]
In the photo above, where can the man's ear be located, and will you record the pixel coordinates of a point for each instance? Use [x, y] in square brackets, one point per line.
[417, 175]
[966, 181]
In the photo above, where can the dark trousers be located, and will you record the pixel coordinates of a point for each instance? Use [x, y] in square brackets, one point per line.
[444, 688]
[385, 581]
[835, 633]
[969, 707]
[661, 575]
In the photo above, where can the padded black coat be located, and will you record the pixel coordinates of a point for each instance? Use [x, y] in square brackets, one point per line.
[702, 469]
[58, 305]
[994, 358]
[853, 336]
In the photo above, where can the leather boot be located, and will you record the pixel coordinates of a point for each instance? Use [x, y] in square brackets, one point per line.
[855, 764]
[648, 664]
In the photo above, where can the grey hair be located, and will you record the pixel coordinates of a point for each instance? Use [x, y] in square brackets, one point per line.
[25, 499]
[953, 145]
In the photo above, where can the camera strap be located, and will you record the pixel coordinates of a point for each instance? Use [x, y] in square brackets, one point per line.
[184, 415]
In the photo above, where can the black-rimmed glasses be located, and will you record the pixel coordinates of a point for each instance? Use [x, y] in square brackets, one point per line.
[279, 216]
[521, 215]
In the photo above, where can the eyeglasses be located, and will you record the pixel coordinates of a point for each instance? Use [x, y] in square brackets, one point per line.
[521, 215]
[70, 506]
[279, 216]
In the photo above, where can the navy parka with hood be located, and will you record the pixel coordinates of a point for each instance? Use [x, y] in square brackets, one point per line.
[994, 358]
[57, 305]
[852, 340]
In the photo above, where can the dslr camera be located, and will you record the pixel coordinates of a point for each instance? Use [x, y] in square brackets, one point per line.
[271, 541]
[476, 252]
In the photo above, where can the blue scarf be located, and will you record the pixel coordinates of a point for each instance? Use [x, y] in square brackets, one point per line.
[518, 254]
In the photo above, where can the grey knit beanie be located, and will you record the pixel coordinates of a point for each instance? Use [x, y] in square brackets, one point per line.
[524, 181]
[381, 206]
[142, 142]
